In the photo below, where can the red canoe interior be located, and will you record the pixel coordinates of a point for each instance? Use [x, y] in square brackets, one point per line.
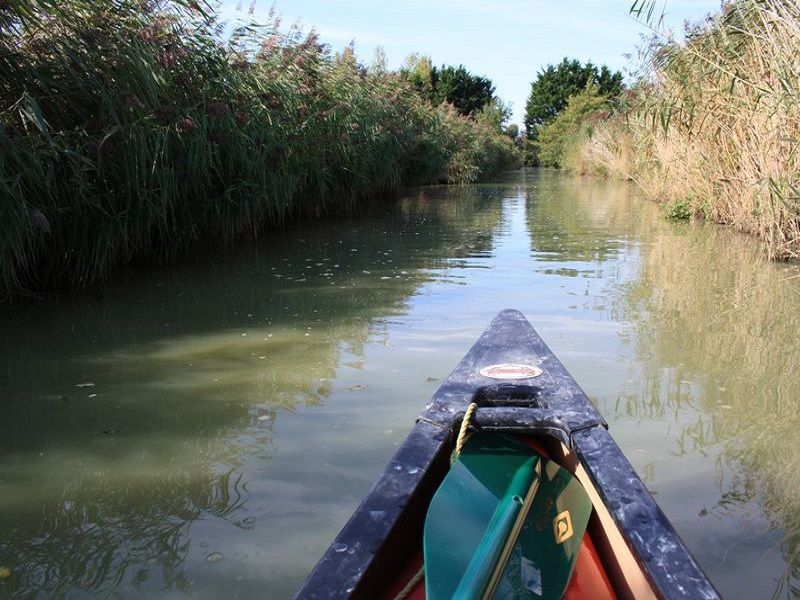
[589, 580]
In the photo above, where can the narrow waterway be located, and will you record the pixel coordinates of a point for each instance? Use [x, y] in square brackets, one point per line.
[205, 430]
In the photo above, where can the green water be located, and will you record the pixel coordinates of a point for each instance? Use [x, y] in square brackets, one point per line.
[205, 430]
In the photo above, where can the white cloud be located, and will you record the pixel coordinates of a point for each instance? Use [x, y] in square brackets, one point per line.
[346, 35]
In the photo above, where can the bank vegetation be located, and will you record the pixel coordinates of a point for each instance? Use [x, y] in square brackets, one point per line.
[138, 130]
[713, 127]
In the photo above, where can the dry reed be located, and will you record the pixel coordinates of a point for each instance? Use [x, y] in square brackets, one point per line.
[713, 129]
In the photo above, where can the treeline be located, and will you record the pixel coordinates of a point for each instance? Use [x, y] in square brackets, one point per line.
[712, 129]
[132, 130]
[471, 95]
[562, 97]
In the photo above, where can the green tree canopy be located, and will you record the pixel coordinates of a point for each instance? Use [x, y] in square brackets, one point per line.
[469, 93]
[418, 70]
[554, 138]
[555, 84]
[494, 114]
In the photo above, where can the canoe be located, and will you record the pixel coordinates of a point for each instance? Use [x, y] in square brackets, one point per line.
[532, 439]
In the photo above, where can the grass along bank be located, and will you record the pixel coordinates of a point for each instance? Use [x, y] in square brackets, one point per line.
[713, 129]
[130, 130]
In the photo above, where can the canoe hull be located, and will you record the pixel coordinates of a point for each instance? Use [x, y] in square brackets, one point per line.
[364, 555]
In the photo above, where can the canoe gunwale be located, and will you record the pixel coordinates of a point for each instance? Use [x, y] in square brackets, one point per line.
[552, 404]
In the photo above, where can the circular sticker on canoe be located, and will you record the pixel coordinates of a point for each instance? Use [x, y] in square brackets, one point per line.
[510, 371]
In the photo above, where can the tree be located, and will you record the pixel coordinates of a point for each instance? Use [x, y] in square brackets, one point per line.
[379, 67]
[467, 92]
[494, 114]
[418, 70]
[554, 139]
[555, 84]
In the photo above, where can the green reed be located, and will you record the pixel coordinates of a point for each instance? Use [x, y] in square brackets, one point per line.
[131, 130]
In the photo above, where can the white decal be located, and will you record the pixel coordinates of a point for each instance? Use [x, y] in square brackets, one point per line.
[511, 371]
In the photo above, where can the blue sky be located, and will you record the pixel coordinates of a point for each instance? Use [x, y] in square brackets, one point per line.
[508, 41]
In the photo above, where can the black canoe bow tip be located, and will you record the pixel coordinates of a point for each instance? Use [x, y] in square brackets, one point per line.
[386, 529]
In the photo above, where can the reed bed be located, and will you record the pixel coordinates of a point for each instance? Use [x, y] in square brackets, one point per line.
[712, 130]
[134, 131]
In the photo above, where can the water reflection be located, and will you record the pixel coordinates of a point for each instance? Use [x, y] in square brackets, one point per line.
[699, 376]
[716, 333]
[205, 430]
[134, 425]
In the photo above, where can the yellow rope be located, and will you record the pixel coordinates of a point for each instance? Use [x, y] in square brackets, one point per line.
[462, 433]
[412, 583]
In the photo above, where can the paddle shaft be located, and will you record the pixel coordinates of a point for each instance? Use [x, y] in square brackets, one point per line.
[486, 567]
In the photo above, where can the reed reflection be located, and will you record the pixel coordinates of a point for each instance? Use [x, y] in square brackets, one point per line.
[130, 419]
[716, 327]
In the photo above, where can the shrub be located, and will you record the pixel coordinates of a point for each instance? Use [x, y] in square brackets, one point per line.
[574, 121]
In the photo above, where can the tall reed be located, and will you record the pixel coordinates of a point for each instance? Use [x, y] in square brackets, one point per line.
[713, 129]
[130, 130]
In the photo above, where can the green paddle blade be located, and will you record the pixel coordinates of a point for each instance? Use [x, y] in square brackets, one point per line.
[543, 559]
[473, 513]
[504, 523]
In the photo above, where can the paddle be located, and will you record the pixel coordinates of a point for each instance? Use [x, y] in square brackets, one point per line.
[505, 523]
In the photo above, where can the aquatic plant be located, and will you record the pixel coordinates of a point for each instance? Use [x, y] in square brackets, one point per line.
[133, 130]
